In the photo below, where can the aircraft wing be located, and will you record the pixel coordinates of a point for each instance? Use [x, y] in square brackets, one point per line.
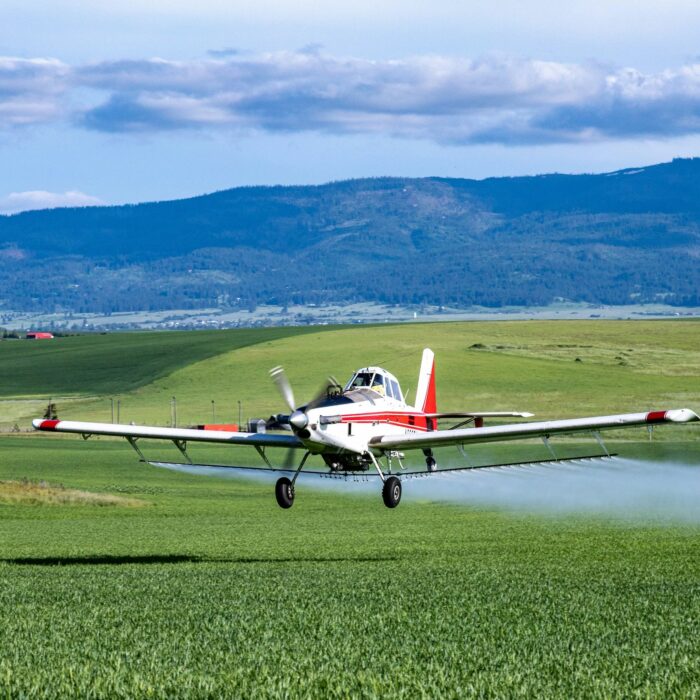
[522, 431]
[157, 433]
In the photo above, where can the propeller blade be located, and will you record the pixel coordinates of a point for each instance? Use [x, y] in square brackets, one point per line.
[329, 388]
[283, 386]
[320, 395]
[289, 460]
[334, 383]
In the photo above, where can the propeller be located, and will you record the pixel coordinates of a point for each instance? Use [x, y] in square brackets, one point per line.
[283, 386]
[297, 419]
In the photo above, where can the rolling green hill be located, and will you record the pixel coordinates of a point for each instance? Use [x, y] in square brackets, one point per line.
[101, 364]
[551, 368]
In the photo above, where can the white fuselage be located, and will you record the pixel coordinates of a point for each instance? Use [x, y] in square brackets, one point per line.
[348, 422]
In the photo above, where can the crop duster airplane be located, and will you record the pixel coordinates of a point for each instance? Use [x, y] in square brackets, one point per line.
[356, 427]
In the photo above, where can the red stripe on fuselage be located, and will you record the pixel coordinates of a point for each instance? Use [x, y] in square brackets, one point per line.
[420, 422]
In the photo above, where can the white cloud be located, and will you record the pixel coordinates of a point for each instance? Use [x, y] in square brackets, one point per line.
[448, 100]
[40, 199]
[31, 90]
[443, 99]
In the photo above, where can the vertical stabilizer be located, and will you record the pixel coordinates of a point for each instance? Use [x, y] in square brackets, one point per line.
[425, 394]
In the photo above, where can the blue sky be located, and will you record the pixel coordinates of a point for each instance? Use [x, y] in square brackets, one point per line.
[133, 101]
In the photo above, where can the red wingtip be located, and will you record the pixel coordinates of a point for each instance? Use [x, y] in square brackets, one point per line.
[48, 424]
[656, 417]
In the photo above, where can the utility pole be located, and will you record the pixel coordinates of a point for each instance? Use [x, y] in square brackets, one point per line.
[119, 406]
[239, 415]
[173, 412]
[111, 403]
[213, 411]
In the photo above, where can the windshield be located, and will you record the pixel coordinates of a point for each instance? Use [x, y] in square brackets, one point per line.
[376, 381]
[361, 379]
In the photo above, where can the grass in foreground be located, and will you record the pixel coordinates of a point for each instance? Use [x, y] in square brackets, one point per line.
[40, 493]
[216, 592]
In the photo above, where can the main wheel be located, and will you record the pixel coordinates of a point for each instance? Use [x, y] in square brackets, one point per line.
[284, 492]
[391, 492]
[431, 463]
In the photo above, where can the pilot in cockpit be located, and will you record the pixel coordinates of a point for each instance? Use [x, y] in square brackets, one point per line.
[359, 381]
[362, 380]
[378, 384]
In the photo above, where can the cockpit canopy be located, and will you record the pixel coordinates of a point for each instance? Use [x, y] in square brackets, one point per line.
[376, 379]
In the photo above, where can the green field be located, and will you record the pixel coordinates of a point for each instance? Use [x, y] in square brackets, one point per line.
[528, 366]
[203, 587]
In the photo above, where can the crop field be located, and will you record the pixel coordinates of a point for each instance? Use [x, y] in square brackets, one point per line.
[119, 579]
[528, 366]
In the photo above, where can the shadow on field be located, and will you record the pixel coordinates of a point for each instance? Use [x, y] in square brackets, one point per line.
[179, 559]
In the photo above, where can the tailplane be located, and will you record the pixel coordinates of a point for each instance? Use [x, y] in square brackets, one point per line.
[425, 394]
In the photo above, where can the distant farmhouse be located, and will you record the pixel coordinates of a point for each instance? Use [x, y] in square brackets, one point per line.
[39, 335]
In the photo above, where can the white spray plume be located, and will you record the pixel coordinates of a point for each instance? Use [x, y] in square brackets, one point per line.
[615, 487]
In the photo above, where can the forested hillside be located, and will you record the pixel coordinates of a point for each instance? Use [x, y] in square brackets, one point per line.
[625, 237]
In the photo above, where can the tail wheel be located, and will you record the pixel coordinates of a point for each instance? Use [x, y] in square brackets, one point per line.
[391, 492]
[284, 492]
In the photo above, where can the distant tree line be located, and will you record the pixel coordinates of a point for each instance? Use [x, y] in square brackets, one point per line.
[612, 239]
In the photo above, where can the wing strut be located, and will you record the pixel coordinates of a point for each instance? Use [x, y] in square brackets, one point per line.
[599, 439]
[261, 452]
[182, 446]
[137, 449]
[545, 440]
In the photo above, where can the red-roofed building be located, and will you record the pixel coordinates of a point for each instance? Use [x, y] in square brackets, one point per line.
[39, 335]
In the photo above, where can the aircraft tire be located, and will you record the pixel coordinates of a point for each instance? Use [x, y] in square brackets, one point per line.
[391, 492]
[284, 492]
[431, 463]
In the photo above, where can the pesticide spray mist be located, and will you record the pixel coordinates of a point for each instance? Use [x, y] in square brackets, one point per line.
[614, 487]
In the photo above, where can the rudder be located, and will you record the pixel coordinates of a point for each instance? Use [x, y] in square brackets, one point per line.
[425, 394]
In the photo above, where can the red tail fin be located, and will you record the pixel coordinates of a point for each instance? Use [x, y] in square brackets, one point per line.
[426, 400]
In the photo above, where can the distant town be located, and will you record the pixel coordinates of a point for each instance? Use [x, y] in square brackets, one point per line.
[17, 324]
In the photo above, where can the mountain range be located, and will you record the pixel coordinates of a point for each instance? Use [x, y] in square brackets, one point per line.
[628, 236]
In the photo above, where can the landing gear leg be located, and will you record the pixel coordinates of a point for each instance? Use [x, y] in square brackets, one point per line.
[430, 460]
[391, 489]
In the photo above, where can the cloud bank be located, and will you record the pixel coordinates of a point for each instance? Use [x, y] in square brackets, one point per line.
[443, 99]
